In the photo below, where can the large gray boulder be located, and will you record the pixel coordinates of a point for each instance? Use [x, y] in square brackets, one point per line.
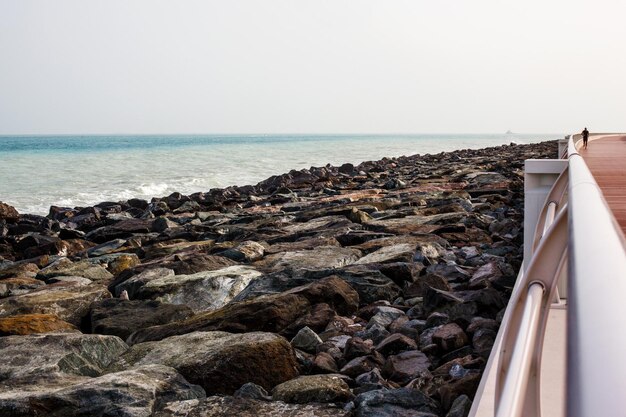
[29, 358]
[69, 301]
[133, 393]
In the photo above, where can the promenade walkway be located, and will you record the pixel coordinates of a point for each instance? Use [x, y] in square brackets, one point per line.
[606, 158]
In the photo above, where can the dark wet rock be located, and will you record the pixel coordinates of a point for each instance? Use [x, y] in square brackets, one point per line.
[317, 318]
[313, 388]
[218, 406]
[401, 402]
[136, 392]
[218, 361]
[118, 317]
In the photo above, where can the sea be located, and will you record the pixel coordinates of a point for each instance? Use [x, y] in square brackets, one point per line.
[75, 171]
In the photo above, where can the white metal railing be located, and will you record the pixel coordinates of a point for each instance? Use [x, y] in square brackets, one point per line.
[582, 237]
[518, 385]
[596, 377]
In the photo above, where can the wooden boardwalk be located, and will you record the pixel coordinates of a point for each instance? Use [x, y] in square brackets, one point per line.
[606, 159]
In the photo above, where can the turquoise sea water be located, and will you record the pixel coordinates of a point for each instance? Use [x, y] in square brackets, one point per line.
[39, 171]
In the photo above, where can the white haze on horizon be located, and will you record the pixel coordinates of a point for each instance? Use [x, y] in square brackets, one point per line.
[289, 66]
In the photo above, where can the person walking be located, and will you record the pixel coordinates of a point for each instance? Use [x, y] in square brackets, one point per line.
[585, 137]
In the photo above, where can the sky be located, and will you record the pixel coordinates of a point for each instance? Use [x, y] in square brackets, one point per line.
[318, 66]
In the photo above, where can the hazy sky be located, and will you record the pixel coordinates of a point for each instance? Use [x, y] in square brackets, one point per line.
[269, 66]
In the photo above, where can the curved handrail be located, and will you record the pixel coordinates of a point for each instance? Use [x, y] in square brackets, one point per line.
[517, 390]
[596, 378]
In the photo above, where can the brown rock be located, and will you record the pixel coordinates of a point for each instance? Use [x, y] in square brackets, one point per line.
[8, 213]
[396, 343]
[324, 364]
[406, 366]
[450, 337]
[34, 323]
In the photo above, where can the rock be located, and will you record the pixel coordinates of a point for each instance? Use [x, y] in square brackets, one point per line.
[107, 247]
[485, 275]
[252, 391]
[69, 302]
[460, 407]
[119, 317]
[119, 230]
[385, 316]
[406, 366]
[356, 347]
[17, 286]
[313, 388]
[203, 291]
[161, 224]
[482, 341]
[318, 258]
[136, 392]
[419, 287]
[317, 319]
[246, 407]
[85, 269]
[395, 253]
[19, 270]
[450, 337]
[306, 340]
[396, 343]
[27, 358]
[371, 285]
[401, 402]
[273, 313]
[361, 365]
[122, 263]
[26, 324]
[8, 213]
[187, 263]
[248, 251]
[133, 284]
[324, 363]
[456, 387]
[218, 361]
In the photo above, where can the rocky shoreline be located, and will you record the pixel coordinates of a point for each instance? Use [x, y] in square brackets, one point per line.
[369, 290]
